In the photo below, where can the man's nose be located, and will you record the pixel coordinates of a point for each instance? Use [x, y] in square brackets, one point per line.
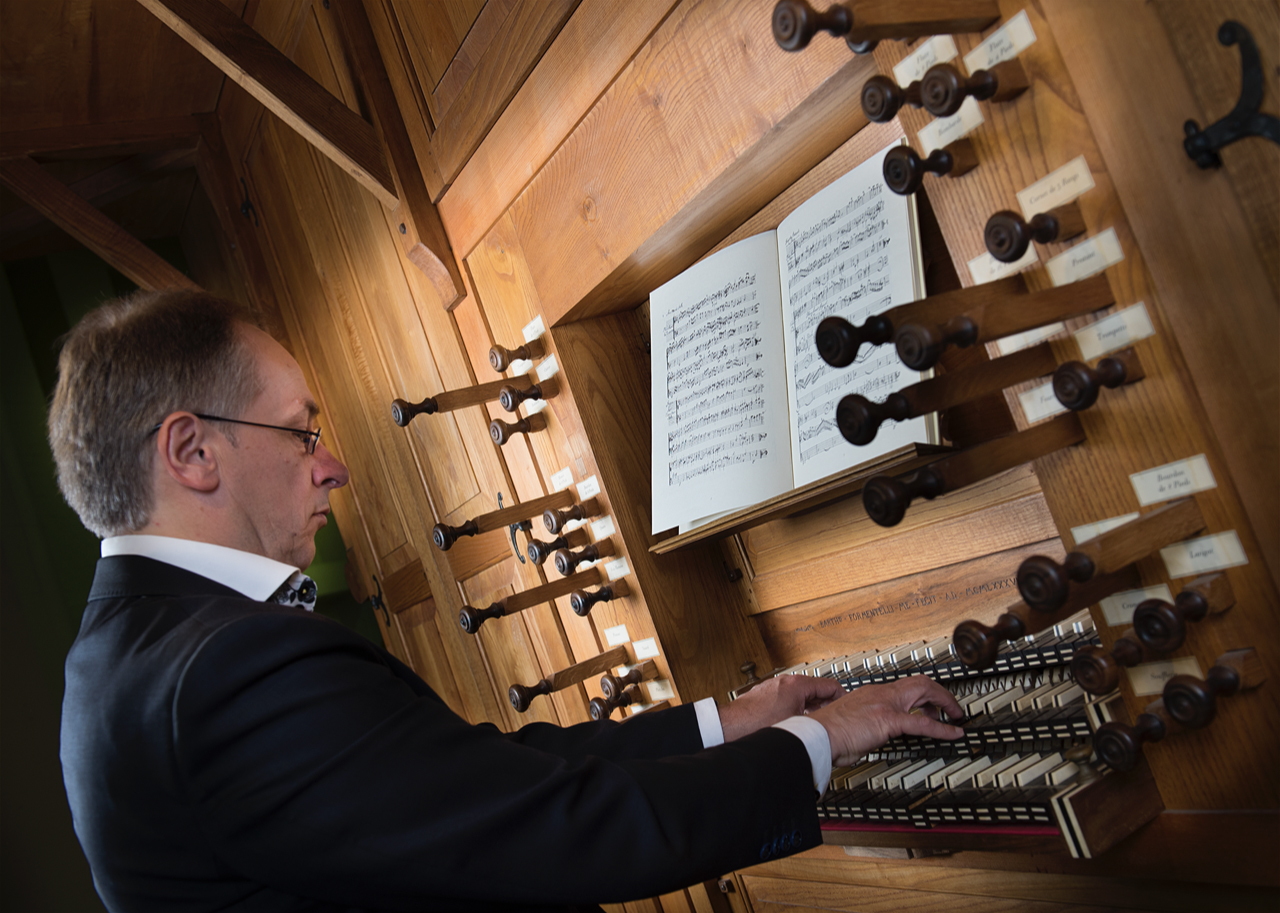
[328, 470]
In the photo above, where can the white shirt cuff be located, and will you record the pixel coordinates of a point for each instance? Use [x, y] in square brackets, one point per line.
[709, 722]
[817, 742]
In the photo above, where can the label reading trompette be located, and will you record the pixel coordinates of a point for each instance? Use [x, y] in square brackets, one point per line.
[1204, 555]
[1150, 678]
[986, 268]
[944, 131]
[1093, 530]
[1118, 607]
[617, 569]
[602, 527]
[938, 49]
[1056, 188]
[1005, 43]
[534, 329]
[647, 648]
[1173, 480]
[1115, 331]
[616, 635]
[1085, 259]
[1039, 403]
[588, 487]
[547, 368]
[562, 479]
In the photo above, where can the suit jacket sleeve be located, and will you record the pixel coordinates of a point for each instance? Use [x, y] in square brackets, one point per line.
[316, 769]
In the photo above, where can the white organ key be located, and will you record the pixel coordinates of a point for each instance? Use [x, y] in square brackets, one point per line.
[968, 772]
[878, 780]
[1072, 694]
[921, 774]
[939, 777]
[988, 777]
[1008, 776]
[1028, 700]
[1038, 770]
[861, 774]
[1062, 774]
[1002, 699]
[894, 780]
[1046, 699]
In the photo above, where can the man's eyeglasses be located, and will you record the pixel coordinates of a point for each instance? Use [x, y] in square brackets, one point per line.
[310, 439]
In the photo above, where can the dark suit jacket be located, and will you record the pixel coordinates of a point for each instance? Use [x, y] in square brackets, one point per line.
[226, 754]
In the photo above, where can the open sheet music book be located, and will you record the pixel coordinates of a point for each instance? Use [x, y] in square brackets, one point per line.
[743, 407]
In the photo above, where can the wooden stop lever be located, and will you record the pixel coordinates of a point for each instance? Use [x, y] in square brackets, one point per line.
[1162, 626]
[444, 535]
[613, 685]
[601, 708]
[554, 520]
[862, 23]
[568, 561]
[510, 396]
[522, 695]
[1044, 583]
[904, 169]
[1119, 745]
[1007, 235]
[402, 412]
[886, 498]
[882, 98]
[1098, 671]
[943, 90]
[472, 618]
[1193, 702]
[501, 431]
[859, 419]
[1076, 385]
[500, 358]
[539, 551]
[582, 601]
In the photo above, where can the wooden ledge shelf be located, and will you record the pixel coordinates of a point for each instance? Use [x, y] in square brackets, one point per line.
[806, 498]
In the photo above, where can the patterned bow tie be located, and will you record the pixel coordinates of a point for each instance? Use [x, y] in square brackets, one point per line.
[299, 590]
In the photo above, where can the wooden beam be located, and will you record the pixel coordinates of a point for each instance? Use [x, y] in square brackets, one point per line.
[422, 233]
[99, 189]
[80, 220]
[95, 140]
[280, 84]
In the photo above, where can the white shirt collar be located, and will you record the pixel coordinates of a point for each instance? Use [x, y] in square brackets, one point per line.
[255, 576]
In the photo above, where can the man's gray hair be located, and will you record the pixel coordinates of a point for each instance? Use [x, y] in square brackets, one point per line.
[123, 368]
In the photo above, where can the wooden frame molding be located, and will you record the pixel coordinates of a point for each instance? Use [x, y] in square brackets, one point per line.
[89, 226]
[282, 86]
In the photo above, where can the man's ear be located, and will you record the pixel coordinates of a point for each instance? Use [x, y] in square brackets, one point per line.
[183, 449]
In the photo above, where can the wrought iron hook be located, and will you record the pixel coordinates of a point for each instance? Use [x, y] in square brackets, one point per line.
[1245, 119]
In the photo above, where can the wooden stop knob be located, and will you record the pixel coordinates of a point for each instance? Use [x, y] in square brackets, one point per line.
[1007, 235]
[838, 340]
[796, 22]
[540, 551]
[976, 644]
[500, 358]
[510, 397]
[1162, 626]
[444, 535]
[1119, 746]
[472, 618]
[882, 98]
[612, 685]
[920, 347]
[886, 499]
[943, 90]
[1097, 671]
[1044, 584]
[859, 418]
[554, 520]
[1193, 702]
[582, 601]
[1076, 385]
[501, 431]
[567, 561]
[402, 412]
[522, 695]
[601, 708]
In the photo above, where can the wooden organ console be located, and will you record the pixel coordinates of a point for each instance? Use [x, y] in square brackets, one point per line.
[692, 129]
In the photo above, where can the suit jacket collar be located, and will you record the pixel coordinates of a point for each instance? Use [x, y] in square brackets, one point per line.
[124, 576]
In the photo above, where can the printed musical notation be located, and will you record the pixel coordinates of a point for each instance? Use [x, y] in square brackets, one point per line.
[714, 378]
[840, 263]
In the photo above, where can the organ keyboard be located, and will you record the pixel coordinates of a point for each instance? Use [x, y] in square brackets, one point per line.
[1024, 753]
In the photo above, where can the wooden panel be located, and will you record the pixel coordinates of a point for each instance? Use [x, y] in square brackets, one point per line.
[593, 46]
[769, 895]
[434, 32]
[1201, 244]
[1142, 426]
[634, 201]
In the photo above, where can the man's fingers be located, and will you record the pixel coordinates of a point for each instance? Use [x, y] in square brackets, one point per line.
[924, 690]
[920, 724]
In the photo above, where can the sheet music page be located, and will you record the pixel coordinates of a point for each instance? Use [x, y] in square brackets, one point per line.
[720, 439]
[849, 250]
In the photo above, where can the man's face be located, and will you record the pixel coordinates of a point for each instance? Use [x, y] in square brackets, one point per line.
[280, 492]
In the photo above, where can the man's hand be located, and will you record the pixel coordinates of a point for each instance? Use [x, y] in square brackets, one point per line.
[775, 699]
[869, 716]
